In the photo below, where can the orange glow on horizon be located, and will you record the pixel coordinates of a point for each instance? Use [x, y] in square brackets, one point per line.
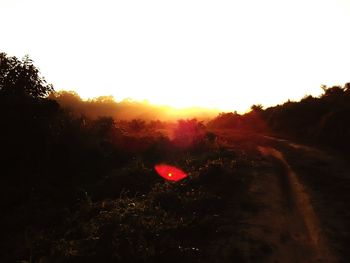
[225, 55]
[176, 105]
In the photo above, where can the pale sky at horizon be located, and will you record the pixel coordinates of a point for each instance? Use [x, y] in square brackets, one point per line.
[219, 54]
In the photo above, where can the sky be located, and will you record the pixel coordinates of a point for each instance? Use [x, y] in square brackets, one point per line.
[217, 54]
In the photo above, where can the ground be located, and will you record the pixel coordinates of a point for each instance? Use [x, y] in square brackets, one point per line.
[248, 198]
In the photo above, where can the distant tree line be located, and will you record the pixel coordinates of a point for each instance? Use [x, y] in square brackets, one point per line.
[322, 120]
[126, 109]
[248, 122]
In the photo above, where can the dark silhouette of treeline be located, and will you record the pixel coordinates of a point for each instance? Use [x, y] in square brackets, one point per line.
[322, 121]
[249, 122]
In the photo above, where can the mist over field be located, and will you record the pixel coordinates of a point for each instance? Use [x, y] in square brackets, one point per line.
[128, 109]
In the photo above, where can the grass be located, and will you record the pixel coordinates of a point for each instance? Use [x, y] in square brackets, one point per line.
[133, 215]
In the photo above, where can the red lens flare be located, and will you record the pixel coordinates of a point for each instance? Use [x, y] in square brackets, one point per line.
[169, 172]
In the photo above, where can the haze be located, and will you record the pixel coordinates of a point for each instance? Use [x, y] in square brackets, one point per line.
[217, 54]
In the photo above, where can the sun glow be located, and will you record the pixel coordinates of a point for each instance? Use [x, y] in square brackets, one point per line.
[217, 54]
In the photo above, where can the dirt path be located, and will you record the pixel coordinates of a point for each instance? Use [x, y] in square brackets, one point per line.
[293, 226]
[303, 195]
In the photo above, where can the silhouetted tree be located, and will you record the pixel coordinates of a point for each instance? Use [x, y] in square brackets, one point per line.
[257, 107]
[347, 87]
[21, 78]
[226, 120]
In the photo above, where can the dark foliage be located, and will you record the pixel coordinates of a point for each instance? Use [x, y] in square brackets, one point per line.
[249, 122]
[81, 189]
[323, 121]
[21, 78]
[77, 188]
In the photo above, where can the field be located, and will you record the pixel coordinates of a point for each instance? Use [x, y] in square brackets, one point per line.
[241, 202]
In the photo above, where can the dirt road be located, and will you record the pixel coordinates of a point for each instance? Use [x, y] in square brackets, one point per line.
[293, 225]
[300, 189]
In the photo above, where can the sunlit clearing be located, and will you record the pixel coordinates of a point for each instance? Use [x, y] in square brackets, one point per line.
[169, 172]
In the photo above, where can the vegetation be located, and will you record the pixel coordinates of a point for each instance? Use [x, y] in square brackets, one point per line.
[322, 121]
[79, 185]
[80, 189]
